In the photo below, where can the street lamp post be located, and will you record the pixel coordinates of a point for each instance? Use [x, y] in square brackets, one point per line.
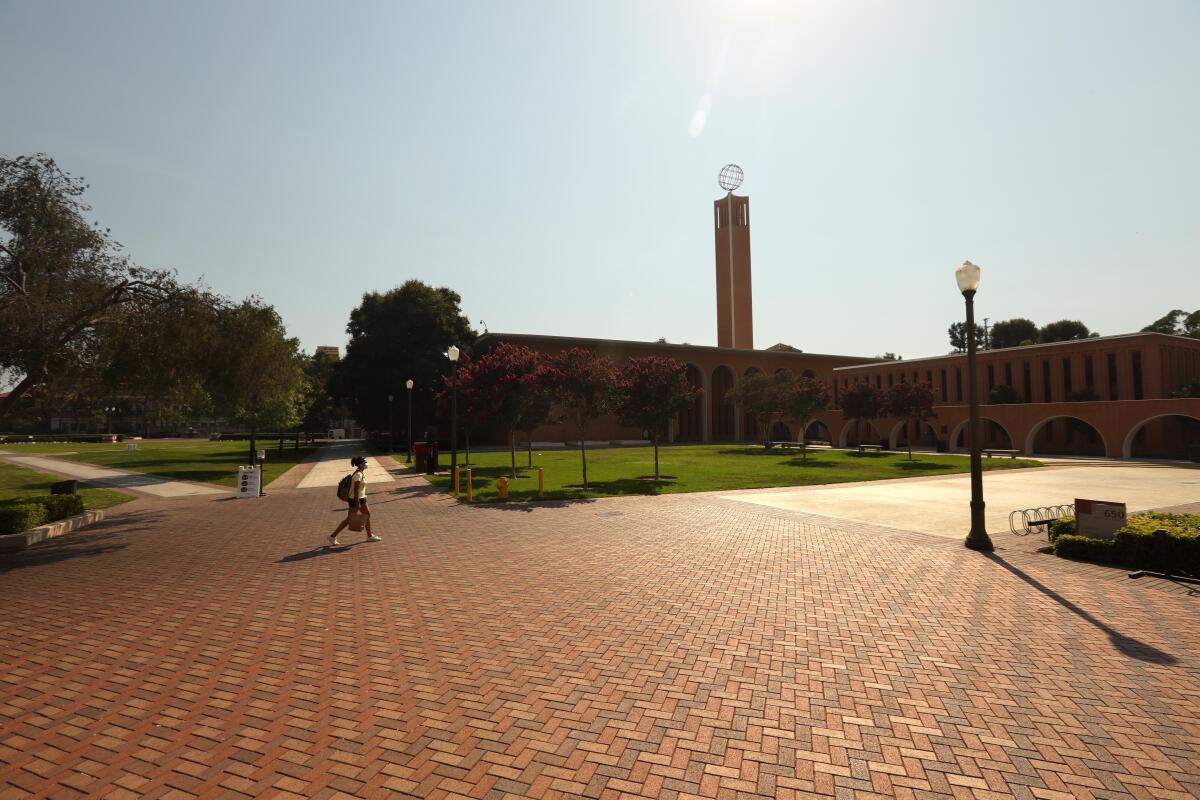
[391, 425]
[452, 354]
[968, 282]
[408, 384]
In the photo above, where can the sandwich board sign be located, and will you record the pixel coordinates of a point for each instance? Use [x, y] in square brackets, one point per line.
[1098, 518]
[249, 481]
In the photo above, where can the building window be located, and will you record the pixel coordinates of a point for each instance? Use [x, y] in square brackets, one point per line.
[889, 379]
[945, 388]
[1066, 379]
[958, 384]
[991, 376]
[1027, 379]
[878, 381]
[1046, 382]
[929, 377]
[1089, 374]
[1137, 375]
[1008, 374]
[1112, 376]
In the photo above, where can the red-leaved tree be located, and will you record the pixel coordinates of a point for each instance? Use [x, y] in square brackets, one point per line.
[653, 390]
[912, 402]
[473, 409]
[501, 378]
[803, 401]
[585, 385]
[861, 402]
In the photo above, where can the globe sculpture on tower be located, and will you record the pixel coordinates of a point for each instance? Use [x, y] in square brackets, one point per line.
[730, 177]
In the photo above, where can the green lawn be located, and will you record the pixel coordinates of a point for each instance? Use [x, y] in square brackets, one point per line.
[700, 468]
[21, 482]
[192, 460]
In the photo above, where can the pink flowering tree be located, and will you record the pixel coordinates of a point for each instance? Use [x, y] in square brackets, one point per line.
[653, 390]
[585, 385]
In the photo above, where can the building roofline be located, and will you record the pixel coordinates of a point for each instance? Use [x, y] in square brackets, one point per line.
[1024, 348]
[708, 348]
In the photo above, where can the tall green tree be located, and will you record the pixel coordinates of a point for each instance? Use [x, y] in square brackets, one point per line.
[396, 335]
[1013, 333]
[1177, 323]
[256, 371]
[585, 386]
[911, 402]
[64, 282]
[1065, 330]
[958, 336]
[764, 397]
[806, 399]
[861, 403]
[653, 390]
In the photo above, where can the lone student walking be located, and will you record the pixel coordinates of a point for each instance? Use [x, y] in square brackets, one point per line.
[353, 489]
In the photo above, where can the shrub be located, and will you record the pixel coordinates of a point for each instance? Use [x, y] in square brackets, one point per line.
[1003, 394]
[1060, 526]
[1085, 548]
[1138, 545]
[18, 517]
[61, 506]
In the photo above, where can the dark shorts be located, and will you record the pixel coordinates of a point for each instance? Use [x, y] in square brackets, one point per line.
[358, 503]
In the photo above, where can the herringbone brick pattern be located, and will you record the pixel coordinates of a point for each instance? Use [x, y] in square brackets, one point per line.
[671, 647]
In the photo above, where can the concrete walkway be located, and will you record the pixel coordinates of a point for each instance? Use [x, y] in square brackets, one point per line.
[334, 464]
[940, 504]
[116, 479]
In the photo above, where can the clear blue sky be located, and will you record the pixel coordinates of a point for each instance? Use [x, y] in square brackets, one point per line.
[556, 162]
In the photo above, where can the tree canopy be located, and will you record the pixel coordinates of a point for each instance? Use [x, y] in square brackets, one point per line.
[1064, 330]
[653, 390]
[585, 386]
[396, 335]
[1177, 323]
[1013, 333]
[958, 336]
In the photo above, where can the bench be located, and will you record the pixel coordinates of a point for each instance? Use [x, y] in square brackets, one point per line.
[1010, 453]
[862, 448]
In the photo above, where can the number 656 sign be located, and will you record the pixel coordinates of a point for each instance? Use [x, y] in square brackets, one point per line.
[1098, 518]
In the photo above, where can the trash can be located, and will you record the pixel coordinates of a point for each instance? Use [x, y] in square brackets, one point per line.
[1195, 453]
[63, 487]
[420, 455]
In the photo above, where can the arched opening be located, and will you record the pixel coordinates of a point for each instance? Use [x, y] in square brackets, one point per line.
[780, 432]
[926, 440]
[856, 432]
[721, 410]
[691, 419]
[1168, 436]
[749, 423]
[994, 436]
[1065, 436]
[818, 432]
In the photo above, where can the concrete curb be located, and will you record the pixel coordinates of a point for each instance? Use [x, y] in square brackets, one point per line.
[10, 542]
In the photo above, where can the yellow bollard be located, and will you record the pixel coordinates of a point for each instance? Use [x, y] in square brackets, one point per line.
[470, 488]
[454, 482]
[541, 481]
[502, 486]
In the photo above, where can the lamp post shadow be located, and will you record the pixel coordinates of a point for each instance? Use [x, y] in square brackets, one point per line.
[1126, 645]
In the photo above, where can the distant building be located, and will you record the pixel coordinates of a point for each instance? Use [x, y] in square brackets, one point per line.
[1108, 396]
[327, 351]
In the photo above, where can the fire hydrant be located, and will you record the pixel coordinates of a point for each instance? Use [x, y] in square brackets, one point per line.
[502, 487]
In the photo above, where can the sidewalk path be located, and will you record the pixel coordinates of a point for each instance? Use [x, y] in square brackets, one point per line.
[136, 481]
[334, 464]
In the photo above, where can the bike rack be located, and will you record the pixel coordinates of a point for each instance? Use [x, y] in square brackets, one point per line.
[1025, 521]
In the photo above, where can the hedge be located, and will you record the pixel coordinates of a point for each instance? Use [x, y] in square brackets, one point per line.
[22, 513]
[18, 517]
[1138, 545]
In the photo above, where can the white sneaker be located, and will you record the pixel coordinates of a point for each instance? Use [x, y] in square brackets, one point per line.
[373, 538]
[333, 542]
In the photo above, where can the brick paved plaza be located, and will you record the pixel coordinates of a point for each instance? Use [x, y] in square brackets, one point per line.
[643, 647]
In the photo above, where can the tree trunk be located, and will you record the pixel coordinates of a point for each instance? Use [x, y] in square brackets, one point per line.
[7, 404]
[253, 447]
[583, 454]
[467, 436]
[908, 437]
[529, 441]
[512, 440]
[655, 440]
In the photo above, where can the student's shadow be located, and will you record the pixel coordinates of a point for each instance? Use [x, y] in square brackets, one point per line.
[320, 550]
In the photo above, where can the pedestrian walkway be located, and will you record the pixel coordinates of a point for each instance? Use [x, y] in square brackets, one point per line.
[334, 464]
[116, 479]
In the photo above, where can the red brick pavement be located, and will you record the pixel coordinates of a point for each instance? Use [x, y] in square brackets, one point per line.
[683, 646]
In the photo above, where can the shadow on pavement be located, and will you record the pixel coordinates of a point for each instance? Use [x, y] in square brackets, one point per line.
[95, 540]
[319, 550]
[1125, 644]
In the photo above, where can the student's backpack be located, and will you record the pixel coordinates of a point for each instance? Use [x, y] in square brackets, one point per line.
[344, 487]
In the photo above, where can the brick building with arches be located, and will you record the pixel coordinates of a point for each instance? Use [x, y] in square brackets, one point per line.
[1108, 396]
